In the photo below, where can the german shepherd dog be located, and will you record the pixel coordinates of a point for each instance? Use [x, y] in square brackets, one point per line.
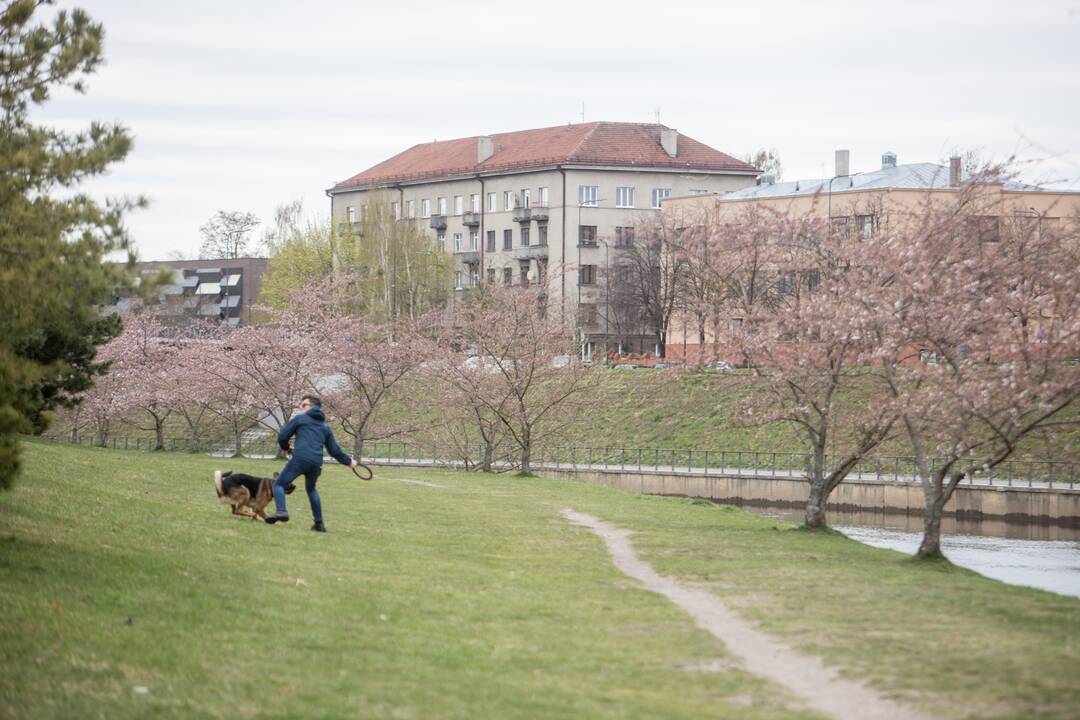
[240, 490]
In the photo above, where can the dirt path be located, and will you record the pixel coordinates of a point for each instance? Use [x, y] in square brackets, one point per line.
[803, 675]
[424, 483]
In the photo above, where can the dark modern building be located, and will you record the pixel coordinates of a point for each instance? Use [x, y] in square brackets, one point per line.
[222, 290]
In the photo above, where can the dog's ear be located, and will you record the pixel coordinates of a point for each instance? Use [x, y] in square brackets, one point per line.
[226, 474]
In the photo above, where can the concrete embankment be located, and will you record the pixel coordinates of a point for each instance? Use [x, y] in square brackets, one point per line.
[974, 502]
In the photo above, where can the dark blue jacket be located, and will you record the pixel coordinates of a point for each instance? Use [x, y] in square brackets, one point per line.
[312, 434]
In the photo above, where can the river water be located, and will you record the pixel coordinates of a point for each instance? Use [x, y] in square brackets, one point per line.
[1039, 556]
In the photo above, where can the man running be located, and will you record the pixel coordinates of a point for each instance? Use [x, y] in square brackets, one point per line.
[312, 434]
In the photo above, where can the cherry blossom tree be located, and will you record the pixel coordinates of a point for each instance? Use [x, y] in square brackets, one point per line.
[360, 364]
[978, 330]
[793, 286]
[528, 375]
[217, 389]
[143, 361]
[274, 364]
[458, 383]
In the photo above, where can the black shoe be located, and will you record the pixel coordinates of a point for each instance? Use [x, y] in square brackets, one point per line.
[318, 527]
[278, 517]
[289, 488]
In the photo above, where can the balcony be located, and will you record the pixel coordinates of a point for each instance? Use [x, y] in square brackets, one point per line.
[529, 252]
[470, 219]
[468, 257]
[522, 215]
[438, 222]
[539, 213]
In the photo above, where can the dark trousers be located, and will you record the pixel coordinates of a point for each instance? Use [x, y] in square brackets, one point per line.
[292, 470]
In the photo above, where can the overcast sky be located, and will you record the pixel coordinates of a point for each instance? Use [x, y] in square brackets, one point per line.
[243, 105]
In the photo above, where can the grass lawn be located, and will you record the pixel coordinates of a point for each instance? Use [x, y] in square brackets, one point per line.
[120, 571]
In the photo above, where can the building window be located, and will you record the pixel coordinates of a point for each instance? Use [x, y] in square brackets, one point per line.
[543, 197]
[624, 197]
[491, 203]
[474, 276]
[587, 314]
[525, 198]
[624, 236]
[524, 237]
[395, 210]
[508, 239]
[410, 208]
[508, 200]
[989, 228]
[459, 205]
[350, 212]
[659, 194]
[524, 273]
[812, 279]
[587, 195]
[425, 208]
[841, 227]
[865, 226]
[587, 235]
[457, 242]
[587, 275]
[541, 235]
[457, 280]
[508, 276]
[490, 241]
[787, 283]
[698, 192]
[491, 276]
[474, 203]
[440, 238]
[474, 239]
[442, 206]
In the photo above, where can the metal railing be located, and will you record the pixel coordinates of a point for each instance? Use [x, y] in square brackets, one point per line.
[1048, 474]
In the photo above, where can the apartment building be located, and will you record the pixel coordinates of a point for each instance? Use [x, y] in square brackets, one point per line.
[862, 204]
[202, 290]
[546, 204]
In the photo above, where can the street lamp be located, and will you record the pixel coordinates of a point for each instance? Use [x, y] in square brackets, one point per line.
[607, 286]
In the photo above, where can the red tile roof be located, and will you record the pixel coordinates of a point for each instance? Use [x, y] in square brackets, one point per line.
[594, 143]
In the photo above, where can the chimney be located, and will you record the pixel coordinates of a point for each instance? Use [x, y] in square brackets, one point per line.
[843, 162]
[485, 148]
[669, 140]
[888, 160]
[954, 171]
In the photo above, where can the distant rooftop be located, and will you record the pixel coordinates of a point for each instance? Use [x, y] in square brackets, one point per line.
[915, 176]
[621, 144]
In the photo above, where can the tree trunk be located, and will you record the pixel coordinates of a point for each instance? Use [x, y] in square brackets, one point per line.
[238, 441]
[701, 343]
[489, 454]
[159, 434]
[815, 504]
[358, 446]
[930, 547]
[526, 451]
[931, 539]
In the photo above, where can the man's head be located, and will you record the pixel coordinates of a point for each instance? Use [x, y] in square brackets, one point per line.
[309, 401]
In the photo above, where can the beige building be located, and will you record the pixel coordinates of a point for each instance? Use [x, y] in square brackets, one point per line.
[558, 203]
[862, 204]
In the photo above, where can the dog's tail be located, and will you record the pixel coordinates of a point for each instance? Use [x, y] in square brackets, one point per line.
[217, 484]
